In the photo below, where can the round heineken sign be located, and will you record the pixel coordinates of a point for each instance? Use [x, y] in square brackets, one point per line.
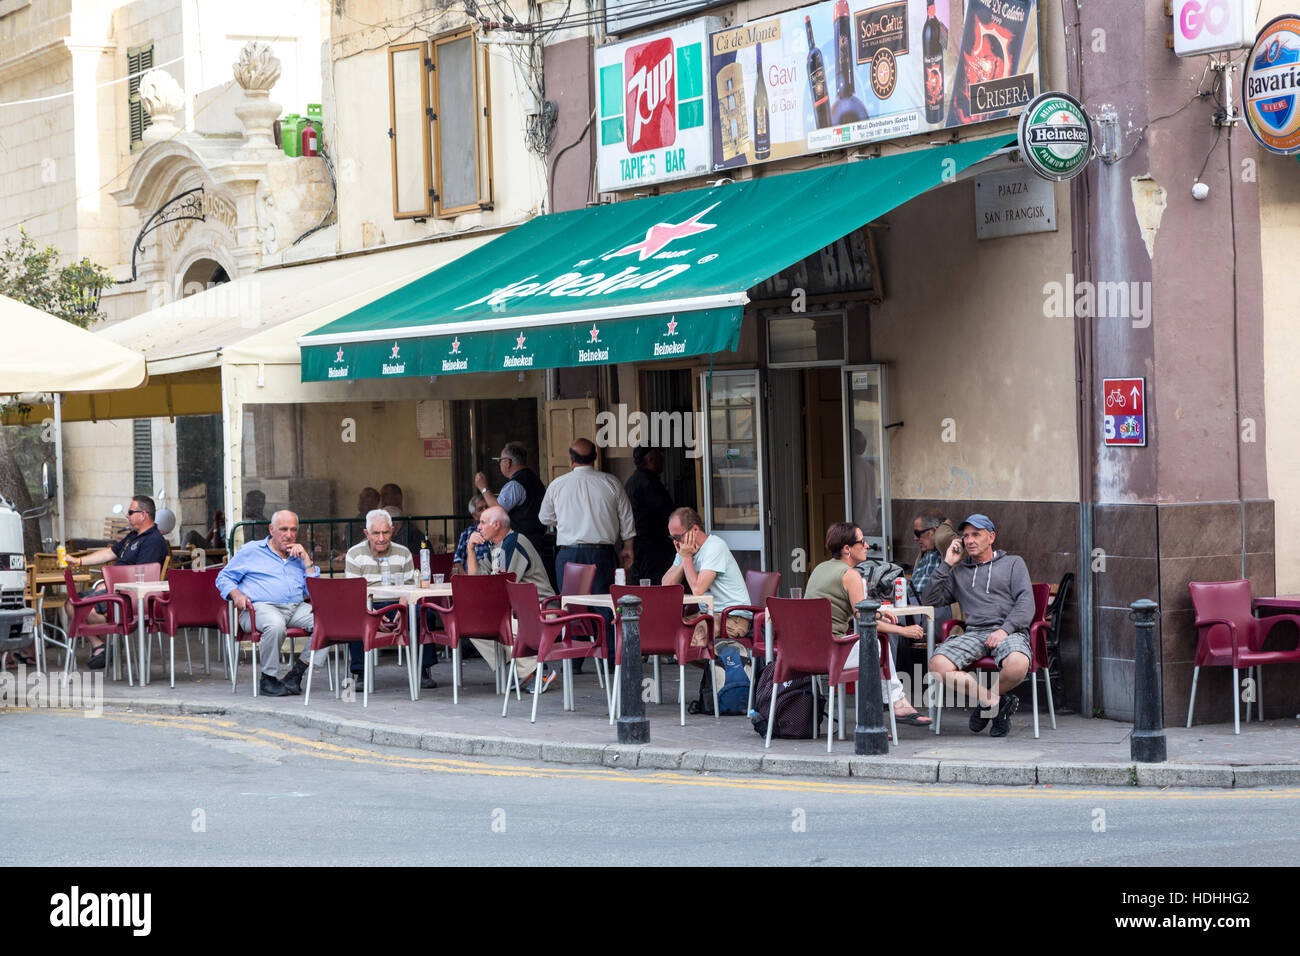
[1271, 85]
[1056, 136]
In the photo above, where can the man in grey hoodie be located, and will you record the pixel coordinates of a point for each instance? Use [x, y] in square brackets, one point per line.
[997, 602]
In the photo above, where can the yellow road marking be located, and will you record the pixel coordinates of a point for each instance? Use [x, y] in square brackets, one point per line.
[303, 746]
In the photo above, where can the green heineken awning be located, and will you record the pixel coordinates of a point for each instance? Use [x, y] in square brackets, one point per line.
[627, 282]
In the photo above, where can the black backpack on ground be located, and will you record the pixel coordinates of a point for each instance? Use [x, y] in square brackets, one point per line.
[794, 708]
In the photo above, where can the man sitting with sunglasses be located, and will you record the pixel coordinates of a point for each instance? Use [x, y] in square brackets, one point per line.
[704, 565]
[144, 544]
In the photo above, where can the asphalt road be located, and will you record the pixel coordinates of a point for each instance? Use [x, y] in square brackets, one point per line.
[135, 789]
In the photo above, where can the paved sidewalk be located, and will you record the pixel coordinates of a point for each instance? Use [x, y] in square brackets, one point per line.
[1079, 751]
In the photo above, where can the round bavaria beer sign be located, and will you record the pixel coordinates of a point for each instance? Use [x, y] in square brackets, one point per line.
[1056, 136]
[1271, 84]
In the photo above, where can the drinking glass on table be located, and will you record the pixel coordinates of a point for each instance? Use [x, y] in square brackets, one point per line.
[796, 593]
[437, 579]
[139, 574]
[645, 582]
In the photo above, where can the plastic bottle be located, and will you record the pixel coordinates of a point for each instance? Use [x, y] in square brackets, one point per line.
[426, 575]
[620, 576]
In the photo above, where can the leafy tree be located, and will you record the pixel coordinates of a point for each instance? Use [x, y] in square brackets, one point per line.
[35, 276]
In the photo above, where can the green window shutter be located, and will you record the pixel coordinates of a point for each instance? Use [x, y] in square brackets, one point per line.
[142, 446]
[138, 61]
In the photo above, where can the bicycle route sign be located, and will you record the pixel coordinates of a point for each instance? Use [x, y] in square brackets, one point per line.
[1124, 421]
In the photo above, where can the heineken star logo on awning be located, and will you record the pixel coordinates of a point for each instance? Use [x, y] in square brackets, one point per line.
[672, 328]
[395, 351]
[339, 357]
[455, 345]
[394, 367]
[595, 335]
[519, 342]
[660, 234]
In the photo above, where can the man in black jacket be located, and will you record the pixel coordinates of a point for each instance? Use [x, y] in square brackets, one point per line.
[652, 549]
[521, 496]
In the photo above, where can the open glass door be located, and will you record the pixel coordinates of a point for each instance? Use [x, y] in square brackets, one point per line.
[733, 490]
[866, 456]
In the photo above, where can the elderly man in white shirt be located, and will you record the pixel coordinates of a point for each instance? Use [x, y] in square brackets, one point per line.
[593, 520]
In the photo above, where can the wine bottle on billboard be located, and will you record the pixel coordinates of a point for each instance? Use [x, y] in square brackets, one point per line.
[821, 97]
[932, 58]
[848, 108]
[762, 135]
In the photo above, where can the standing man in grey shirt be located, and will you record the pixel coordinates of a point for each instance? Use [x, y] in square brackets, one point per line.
[593, 521]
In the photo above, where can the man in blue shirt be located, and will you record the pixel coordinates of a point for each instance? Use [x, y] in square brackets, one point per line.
[270, 576]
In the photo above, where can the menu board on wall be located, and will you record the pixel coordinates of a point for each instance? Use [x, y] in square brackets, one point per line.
[844, 72]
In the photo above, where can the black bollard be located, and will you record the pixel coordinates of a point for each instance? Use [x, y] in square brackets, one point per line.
[870, 736]
[1147, 744]
[633, 725]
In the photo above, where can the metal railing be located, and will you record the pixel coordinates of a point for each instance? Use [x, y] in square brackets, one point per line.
[328, 539]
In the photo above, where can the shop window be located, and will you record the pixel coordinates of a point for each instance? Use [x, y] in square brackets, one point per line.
[139, 59]
[439, 131]
[804, 340]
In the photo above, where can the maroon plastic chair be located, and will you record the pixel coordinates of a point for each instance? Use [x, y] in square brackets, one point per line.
[237, 634]
[665, 631]
[480, 608]
[438, 564]
[118, 608]
[805, 646]
[192, 600]
[578, 579]
[1228, 635]
[339, 617]
[550, 635]
[1038, 660]
[761, 585]
[115, 574]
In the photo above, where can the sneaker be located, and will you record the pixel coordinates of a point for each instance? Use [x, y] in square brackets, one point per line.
[547, 680]
[978, 723]
[1002, 722]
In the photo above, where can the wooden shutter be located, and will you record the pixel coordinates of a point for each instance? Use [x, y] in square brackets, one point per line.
[138, 60]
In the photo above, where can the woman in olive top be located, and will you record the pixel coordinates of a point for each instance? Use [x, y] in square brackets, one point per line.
[838, 579]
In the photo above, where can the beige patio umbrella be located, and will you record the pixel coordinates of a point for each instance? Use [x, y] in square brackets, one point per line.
[43, 353]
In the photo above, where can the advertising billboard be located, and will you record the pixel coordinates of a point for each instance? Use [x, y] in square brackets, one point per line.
[653, 111]
[844, 72]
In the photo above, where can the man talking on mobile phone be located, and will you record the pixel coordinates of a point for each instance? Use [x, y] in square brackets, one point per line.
[997, 601]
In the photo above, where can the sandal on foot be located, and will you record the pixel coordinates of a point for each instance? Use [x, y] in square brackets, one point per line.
[914, 719]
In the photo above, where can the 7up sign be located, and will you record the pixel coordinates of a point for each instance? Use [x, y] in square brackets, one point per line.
[1055, 136]
[655, 123]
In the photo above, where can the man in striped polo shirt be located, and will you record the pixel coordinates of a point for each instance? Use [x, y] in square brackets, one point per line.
[368, 560]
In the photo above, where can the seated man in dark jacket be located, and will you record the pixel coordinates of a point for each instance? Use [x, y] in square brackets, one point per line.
[997, 602]
[144, 544]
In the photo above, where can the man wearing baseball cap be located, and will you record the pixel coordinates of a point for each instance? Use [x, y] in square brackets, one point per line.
[997, 602]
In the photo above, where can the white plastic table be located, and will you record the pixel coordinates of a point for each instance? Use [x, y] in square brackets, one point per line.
[140, 590]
